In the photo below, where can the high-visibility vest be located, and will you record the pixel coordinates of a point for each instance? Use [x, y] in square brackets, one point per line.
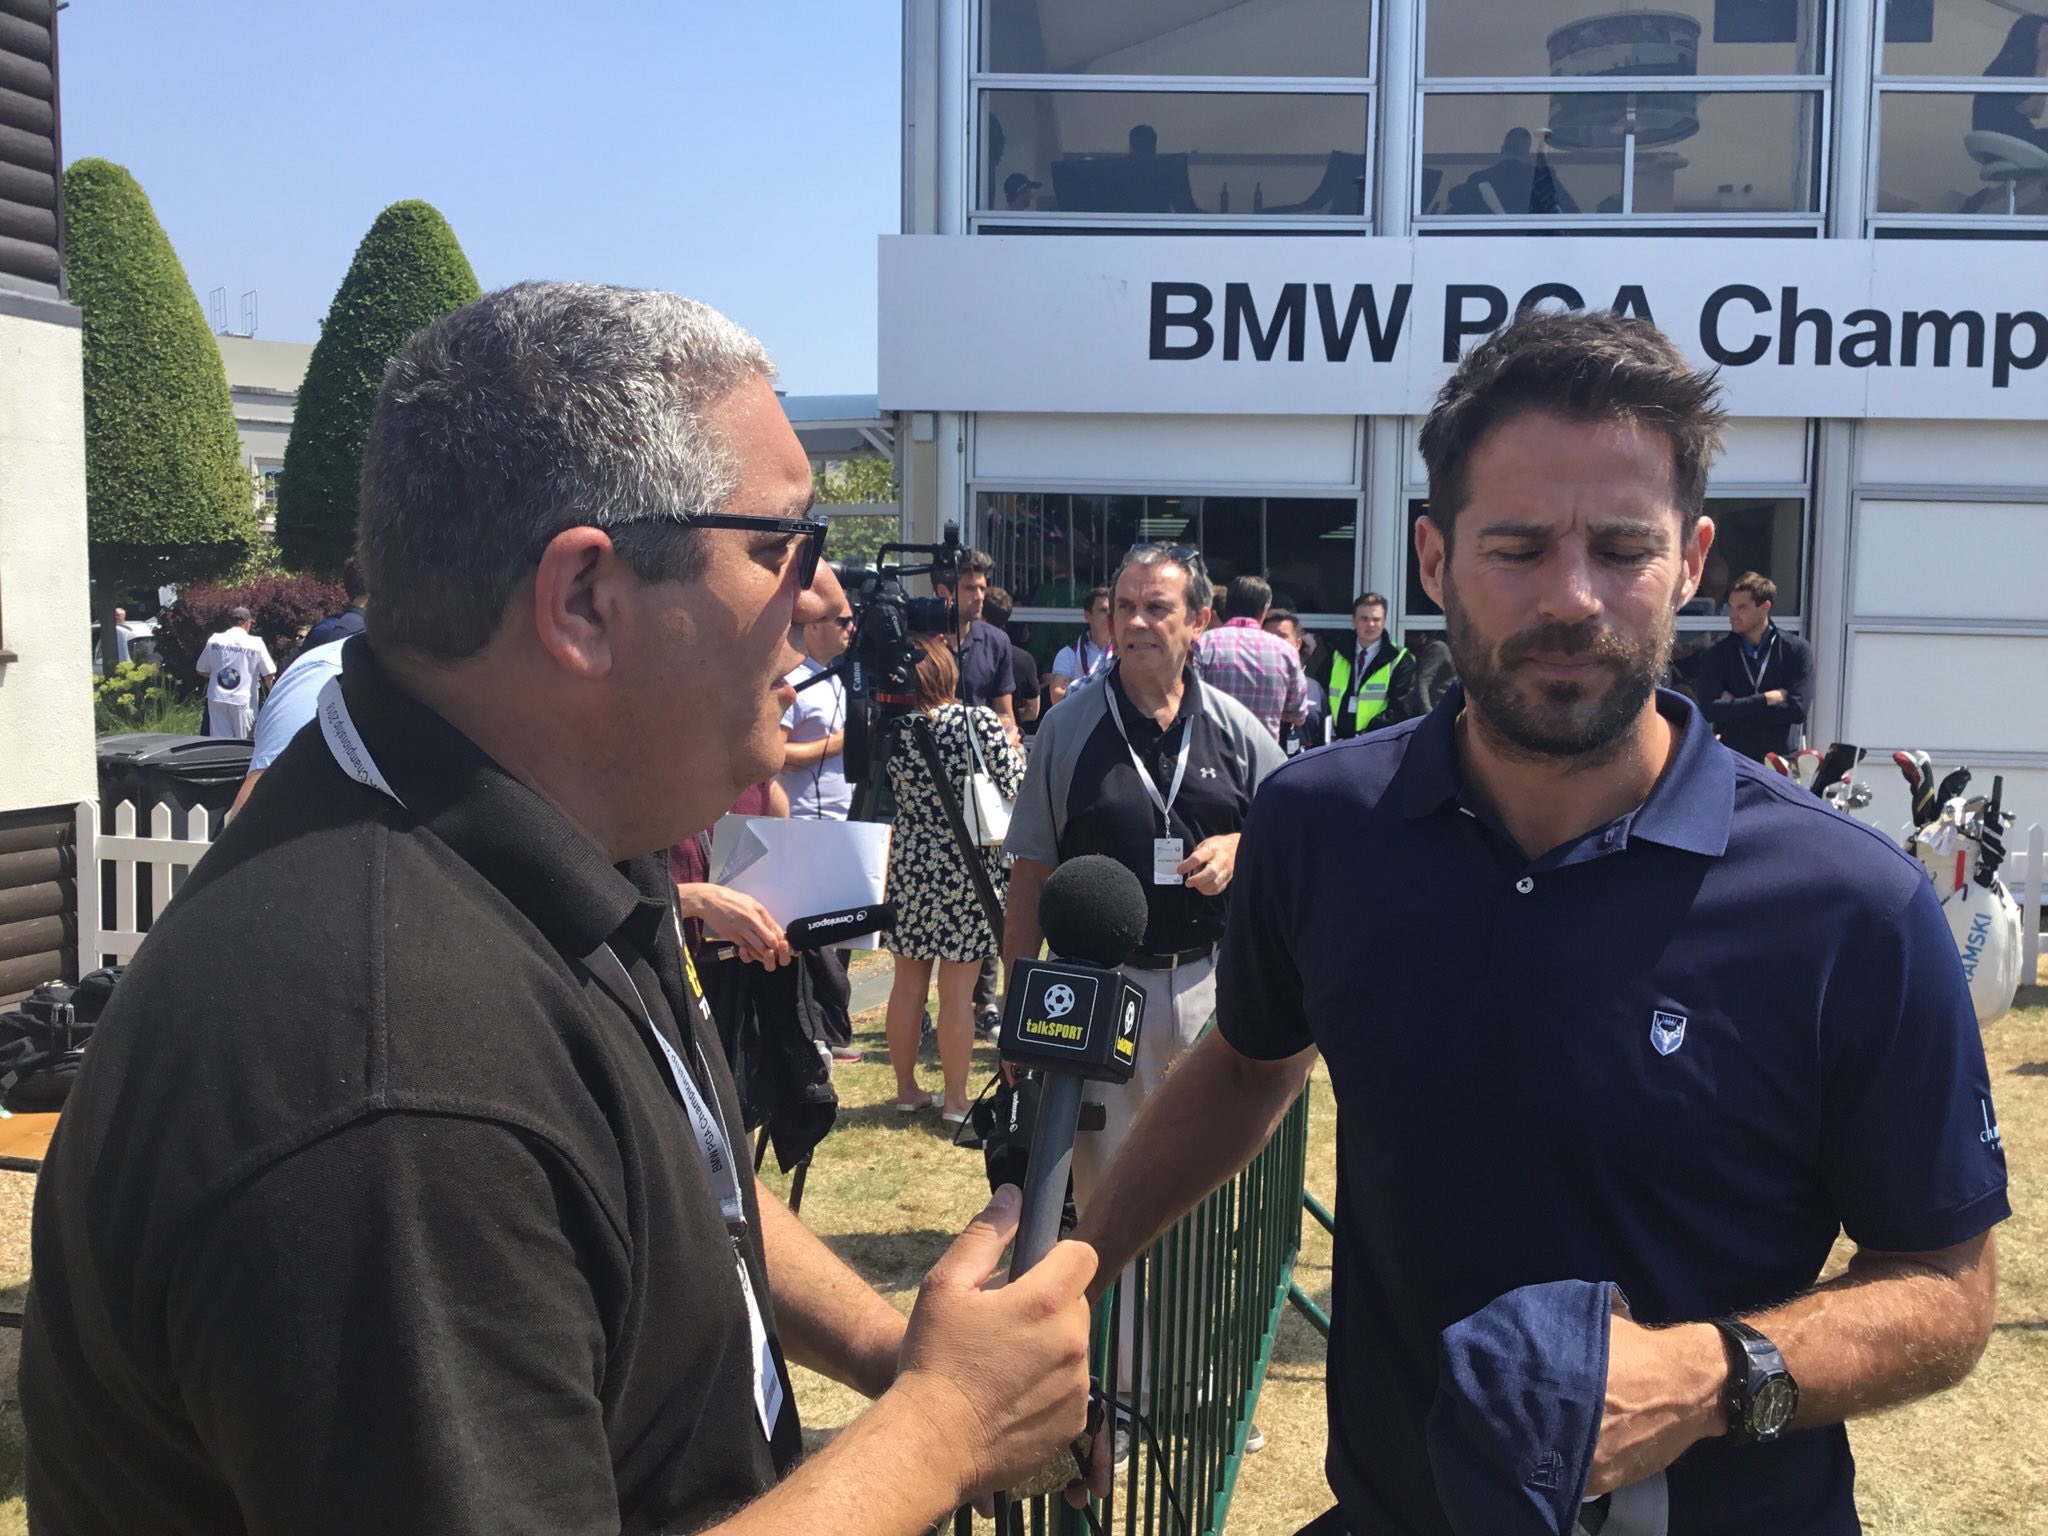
[1372, 693]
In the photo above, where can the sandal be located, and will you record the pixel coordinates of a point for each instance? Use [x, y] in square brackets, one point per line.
[918, 1105]
[957, 1120]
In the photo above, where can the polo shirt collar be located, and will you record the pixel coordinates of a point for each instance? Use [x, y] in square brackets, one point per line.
[1690, 807]
[545, 865]
[1190, 697]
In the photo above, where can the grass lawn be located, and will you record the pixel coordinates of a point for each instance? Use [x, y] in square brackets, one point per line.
[889, 1193]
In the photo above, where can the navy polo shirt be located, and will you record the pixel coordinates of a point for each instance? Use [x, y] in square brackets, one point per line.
[1678, 1053]
[984, 657]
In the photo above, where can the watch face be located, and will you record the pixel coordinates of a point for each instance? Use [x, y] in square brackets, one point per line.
[1771, 1410]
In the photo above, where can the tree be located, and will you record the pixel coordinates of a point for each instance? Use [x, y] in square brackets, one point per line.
[408, 272]
[167, 498]
[855, 539]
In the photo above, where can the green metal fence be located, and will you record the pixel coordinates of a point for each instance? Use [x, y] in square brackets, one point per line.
[1181, 1343]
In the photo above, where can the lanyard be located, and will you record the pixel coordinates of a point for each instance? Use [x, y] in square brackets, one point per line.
[1763, 662]
[604, 964]
[350, 751]
[1180, 770]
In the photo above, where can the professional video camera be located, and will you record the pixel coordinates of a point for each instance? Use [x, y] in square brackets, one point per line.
[880, 674]
[881, 666]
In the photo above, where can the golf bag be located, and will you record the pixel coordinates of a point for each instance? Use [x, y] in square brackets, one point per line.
[1962, 848]
[43, 1040]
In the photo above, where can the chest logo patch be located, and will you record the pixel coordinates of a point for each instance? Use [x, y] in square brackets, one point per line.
[1207, 773]
[1667, 1031]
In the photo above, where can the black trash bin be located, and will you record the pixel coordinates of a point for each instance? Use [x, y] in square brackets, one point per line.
[154, 768]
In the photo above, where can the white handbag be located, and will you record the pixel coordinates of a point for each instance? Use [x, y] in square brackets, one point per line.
[983, 806]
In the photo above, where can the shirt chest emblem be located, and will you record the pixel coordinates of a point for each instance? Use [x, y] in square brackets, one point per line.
[1206, 773]
[1667, 1031]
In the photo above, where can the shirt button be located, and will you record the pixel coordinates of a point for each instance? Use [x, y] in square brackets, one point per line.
[1525, 885]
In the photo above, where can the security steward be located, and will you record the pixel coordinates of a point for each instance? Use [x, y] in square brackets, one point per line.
[1646, 1014]
[1373, 682]
[1157, 772]
[415, 1206]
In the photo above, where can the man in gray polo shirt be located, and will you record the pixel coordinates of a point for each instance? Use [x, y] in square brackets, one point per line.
[1157, 771]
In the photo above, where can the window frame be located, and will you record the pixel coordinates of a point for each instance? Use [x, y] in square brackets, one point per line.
[1803, 492]
[1263, 493]
[1818, 86]
[1884, 86]
[983, 82]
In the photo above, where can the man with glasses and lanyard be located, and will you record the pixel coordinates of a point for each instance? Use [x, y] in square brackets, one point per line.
[431, 1219]
[1157, 771]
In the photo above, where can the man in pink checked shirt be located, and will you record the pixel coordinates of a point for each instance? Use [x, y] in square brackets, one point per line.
[1261, 671]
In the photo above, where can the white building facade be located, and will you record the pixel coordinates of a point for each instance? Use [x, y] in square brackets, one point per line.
[1193, 270]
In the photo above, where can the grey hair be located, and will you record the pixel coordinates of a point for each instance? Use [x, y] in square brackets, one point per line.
[535, 409]
[1201, 591]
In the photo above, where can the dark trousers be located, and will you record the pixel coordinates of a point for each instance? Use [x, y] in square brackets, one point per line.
[985, 984]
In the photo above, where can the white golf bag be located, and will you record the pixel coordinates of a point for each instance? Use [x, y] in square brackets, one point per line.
[1962, 848]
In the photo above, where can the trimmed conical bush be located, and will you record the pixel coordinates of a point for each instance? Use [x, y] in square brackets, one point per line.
[167, 498]
[408, 272]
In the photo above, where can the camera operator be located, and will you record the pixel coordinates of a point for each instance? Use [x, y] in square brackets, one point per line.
[429, 1221]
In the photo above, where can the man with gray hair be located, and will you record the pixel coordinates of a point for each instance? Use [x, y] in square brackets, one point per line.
[1156, 769]
[432, 1220]
[233, 663]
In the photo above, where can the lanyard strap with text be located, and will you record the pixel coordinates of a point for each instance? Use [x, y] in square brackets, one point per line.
[604, 964]
[1180, 768]
[1763, 663]
[353, 755]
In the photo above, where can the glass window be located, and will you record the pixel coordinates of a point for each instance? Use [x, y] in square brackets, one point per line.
[1049, 548]
[1959, 154]
[1533, 38]
[1319, 38]
[1963, 38]
[1762, 534]
[1563, 154]
[1173, 152]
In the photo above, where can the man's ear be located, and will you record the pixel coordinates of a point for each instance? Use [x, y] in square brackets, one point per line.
[1432, 551]
[1694, 558]
[582, 589]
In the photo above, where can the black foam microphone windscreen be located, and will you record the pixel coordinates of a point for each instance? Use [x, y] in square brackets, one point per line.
[1092, 910]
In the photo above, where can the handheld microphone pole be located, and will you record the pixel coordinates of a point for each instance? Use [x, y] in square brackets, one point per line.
[1074, 1019]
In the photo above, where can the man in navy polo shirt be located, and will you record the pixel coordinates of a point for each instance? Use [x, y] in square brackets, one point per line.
[1646, 1013]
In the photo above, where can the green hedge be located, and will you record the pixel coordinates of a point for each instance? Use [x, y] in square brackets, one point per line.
[408, 272]
[167, 498]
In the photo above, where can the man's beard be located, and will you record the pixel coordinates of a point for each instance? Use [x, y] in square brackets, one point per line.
[1559, 719]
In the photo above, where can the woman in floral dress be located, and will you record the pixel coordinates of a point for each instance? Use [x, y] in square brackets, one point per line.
[938, 917]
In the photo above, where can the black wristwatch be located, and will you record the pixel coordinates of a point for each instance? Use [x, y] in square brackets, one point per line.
[1762, 1396]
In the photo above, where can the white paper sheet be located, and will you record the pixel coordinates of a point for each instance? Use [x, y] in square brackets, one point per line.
[802, 867]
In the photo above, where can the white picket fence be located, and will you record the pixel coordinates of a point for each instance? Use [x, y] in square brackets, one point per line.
[169, 859]
[2026, 882]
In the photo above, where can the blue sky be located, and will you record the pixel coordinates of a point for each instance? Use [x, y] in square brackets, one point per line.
[743, 152]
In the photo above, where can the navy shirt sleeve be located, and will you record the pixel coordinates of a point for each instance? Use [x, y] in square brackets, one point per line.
[1260, 1009]
[1910, 1145]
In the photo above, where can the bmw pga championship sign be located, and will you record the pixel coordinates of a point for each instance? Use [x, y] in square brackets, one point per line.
[1342, 325]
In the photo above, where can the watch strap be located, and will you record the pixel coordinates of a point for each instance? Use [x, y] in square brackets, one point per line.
[1753, 1360]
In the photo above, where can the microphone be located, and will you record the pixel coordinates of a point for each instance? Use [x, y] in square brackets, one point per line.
[1074, 1019]
[827, 930]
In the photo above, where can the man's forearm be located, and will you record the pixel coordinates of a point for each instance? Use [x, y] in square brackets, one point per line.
[1022, 937]
[1892, 1328]
[897, 1470]
[1889, 1329]
[1208, 1119]
[829, 1318]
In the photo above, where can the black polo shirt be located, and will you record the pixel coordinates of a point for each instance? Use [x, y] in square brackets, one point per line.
[373, 1211]
[1082, 793]
[1679, 1053]
[985, 670]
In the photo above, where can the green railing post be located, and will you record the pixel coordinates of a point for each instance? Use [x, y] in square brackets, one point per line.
[1183, 1341]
